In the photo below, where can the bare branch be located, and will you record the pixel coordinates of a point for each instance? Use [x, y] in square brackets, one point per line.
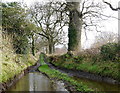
[43, 35]
[110, 5]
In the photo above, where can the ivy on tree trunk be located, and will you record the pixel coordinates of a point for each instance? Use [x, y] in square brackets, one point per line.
[75, 28]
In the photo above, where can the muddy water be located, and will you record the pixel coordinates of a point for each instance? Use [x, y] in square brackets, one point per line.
[99, 86]
[94, 84]
[37, 82]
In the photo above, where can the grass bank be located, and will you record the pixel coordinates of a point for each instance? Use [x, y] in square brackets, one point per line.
[10, 67]
[93, 64]
[11, 63]
[52, 73]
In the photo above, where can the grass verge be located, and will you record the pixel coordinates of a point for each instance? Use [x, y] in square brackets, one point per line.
[14, 65]
[88, 64]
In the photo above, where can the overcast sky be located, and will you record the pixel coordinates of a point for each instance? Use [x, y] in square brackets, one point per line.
[110, 25]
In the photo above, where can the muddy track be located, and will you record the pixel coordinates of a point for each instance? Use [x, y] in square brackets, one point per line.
[83, 74]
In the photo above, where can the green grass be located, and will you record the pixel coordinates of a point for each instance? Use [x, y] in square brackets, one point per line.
[15, 65]
[52, 73]
[103, 68]
[12, 64]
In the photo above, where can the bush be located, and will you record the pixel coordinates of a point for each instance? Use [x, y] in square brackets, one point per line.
[110, 51]
[78, 59]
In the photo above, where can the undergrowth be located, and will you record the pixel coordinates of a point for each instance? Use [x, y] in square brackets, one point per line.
[12, 63]
[93, 64]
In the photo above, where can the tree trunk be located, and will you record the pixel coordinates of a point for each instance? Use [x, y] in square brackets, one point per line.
[33, 46]
[50, 49]
[46, 47]
[53, 48]
[119, 24]
[75, 27]
[50, 46]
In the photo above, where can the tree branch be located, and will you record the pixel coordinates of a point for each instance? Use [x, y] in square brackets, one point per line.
[114, 9]
[43, 35]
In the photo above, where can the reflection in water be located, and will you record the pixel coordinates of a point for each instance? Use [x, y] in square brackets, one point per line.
[21, 85]
[37, 82]
[99, 86]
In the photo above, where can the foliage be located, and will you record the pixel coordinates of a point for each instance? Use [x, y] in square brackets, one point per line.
[78, 59]
[110, 51]
[13, 17]
[16, 24]
[68, 55]
[12, 64]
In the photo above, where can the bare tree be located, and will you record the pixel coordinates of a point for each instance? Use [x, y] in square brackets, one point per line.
[41, 44]
[104, 38]
[110, 5]
[50, 21]
[115, 9]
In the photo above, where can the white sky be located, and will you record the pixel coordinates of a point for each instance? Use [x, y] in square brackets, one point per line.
[109, 25]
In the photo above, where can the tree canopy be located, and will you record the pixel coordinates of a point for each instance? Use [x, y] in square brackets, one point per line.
[15, 22]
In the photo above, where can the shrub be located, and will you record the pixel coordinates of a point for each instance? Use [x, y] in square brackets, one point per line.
[78, 59]
[110, 51]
